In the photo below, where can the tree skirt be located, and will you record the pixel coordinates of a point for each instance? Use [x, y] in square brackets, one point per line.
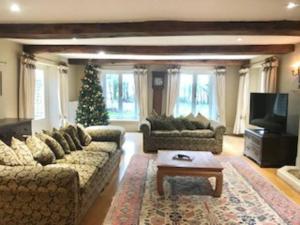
[247, 198]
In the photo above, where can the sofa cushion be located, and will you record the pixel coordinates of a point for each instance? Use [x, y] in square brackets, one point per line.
[203, 133]
[97, 159]
[101, 146]
[53, 145]
[199, 121]
[86, 172]
[161, 124]
[72, 131]
[104, 133]
[84, 137]
[40, 151]
[62, 141]
[69, 140]
[23, 152]
[178, 123]
[164, 133]
[189, 125]
[7, 156]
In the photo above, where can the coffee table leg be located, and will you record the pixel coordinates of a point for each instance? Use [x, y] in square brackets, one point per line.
[159, 182]
[219, 185]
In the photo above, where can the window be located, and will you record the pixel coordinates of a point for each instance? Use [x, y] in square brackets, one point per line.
[195, 95]
[119, 91]
[39, 97]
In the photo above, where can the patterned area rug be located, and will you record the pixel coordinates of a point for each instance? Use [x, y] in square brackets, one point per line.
[247, 198]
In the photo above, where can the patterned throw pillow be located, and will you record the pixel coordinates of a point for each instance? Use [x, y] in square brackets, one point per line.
[72, 131]
[203, 120]
[23, 152]
[178, 123]
[69, 140]
[62, 141]
[85, 138]
[7, 156]
[189, 125]
[200, 122]
[40, 151]
[53, 145]
[47, 132]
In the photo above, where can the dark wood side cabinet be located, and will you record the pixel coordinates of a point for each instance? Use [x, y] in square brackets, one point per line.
[14, 128]
[270, 149]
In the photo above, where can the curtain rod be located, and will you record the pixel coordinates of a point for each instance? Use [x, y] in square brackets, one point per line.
[49, 62]
[262, 61]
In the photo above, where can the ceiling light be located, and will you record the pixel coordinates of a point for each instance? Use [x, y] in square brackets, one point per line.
[101, 53]
[14, 7]
[74, 39]
[239, 39]
[292, 5]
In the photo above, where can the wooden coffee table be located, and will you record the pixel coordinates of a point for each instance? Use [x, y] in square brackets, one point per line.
[204, 164]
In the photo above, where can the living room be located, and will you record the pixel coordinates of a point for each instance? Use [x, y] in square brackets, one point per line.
[171, 113]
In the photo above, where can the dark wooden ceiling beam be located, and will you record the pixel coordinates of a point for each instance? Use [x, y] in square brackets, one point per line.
[162, 50]
[157, 62]
[149, 28]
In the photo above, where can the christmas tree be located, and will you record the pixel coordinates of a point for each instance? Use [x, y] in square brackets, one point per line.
[91, 105]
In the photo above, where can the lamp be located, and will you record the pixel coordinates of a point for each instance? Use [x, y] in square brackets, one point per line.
[296, 72]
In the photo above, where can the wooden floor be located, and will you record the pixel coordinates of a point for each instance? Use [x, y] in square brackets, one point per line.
[233, 146]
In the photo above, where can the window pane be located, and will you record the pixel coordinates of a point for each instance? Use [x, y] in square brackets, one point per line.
[39, 98]
[202, 100]
[184, 102]
[112, 94]
[129, 110]
[120, 96]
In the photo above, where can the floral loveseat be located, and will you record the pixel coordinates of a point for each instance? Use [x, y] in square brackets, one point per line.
[184, 133]
[54, 181]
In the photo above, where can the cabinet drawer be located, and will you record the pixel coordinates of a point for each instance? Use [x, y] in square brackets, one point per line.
[255, 140]
[253, 148]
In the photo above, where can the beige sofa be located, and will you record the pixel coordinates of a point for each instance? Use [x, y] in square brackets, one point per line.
[60, 193]
[210, 139]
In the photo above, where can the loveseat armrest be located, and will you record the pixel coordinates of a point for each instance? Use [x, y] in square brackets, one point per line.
[107, 133]
[145, 127]
[218, 129]
[38, 195]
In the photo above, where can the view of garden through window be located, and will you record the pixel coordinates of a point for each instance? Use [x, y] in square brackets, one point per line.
[194, 95]
[119, 91]
[39, 95]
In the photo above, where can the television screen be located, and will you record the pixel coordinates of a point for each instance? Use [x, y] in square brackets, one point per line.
[269, 111]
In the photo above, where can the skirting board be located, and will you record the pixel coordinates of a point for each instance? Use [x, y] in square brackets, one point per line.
[289, 178]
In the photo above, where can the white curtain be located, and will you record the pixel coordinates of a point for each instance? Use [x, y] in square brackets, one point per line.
[220, 94]
[63, 92]
[26, 87]
[269, 76]
[173, 78]
[243, 102]
[141, 91]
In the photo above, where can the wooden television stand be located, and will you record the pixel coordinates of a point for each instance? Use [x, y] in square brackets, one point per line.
[270, 149]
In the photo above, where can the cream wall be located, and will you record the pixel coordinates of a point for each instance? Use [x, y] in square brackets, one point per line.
[289, 84]
[9, 58]
[76, 73]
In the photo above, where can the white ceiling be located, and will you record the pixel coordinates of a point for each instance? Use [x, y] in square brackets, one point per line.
[71, 11]
[172, 40]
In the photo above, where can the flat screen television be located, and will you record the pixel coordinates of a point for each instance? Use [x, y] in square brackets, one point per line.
[269, 111]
